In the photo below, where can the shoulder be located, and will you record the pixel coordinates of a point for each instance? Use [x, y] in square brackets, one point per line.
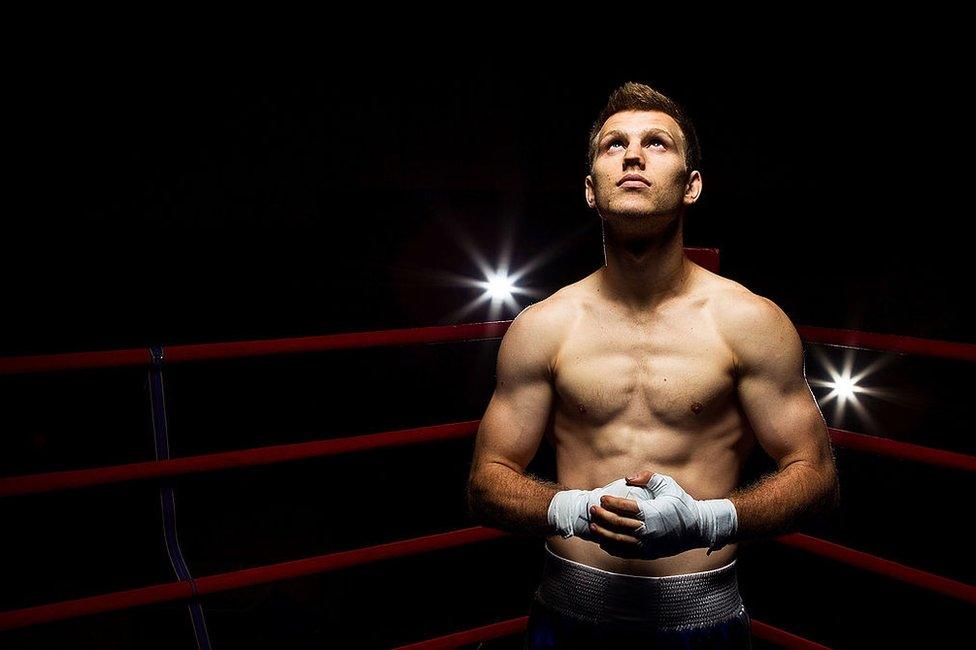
[754, 327]
[536, 333]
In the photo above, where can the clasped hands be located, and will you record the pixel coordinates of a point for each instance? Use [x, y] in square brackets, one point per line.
[645, 517]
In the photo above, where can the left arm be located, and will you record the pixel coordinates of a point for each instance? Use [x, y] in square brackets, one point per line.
[787, 421]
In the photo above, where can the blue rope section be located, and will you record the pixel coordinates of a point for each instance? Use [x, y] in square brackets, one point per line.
[157, 402]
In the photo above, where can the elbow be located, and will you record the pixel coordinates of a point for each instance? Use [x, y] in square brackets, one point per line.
[836, 493]
[824, 494]
[829, 484]
[831, 499]
[477, 491]
[472, 499]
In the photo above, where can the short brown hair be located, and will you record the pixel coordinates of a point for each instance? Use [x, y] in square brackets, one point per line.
[633, 96]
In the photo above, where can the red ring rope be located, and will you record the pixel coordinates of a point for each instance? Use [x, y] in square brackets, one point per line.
[437, 334]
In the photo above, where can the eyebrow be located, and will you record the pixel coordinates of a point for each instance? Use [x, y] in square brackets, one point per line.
[615, 132]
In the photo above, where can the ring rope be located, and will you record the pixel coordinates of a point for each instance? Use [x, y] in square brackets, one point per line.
[413, 335]
[258, 456]
[18, 618]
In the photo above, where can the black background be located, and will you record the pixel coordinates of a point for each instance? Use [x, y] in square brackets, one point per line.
[162, 198]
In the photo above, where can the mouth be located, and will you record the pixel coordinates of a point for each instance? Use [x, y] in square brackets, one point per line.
[633, 180]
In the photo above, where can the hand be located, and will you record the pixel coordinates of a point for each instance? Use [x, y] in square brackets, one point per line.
[569, 510]
[663, 520]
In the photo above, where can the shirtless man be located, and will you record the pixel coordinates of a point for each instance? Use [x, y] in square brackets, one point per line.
[656, 369]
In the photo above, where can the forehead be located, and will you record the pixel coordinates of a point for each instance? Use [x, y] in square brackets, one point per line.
[635, 122]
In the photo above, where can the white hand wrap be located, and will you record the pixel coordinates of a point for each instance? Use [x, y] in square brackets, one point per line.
[674, 521]
[569, 510]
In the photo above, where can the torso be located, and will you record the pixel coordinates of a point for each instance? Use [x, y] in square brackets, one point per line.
[652, 392]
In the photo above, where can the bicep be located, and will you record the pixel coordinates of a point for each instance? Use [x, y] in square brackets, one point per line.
[516, 417]
[773, 389]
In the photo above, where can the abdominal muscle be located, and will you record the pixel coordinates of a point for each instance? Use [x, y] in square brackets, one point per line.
[709, 470]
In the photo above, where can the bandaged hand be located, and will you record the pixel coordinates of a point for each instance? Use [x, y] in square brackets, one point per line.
[569, 510]
[662, 520]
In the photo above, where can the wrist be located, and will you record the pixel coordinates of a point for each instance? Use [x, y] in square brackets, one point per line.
[722, 522]
[566, 510]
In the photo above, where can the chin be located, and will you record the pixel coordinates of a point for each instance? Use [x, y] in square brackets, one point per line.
[631, 210]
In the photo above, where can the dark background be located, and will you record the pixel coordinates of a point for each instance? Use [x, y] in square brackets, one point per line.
[163, 199]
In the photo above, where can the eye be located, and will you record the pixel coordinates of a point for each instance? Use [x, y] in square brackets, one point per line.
[657, 141]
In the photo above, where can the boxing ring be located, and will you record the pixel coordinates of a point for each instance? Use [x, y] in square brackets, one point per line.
[190, 589]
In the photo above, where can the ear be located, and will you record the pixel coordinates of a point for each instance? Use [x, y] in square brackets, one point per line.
[590, 194]
[693, 188]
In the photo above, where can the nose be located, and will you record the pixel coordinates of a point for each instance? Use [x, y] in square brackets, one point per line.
[634, 155]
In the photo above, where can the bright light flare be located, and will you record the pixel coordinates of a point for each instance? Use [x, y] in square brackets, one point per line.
[846, 387]
[500, 287]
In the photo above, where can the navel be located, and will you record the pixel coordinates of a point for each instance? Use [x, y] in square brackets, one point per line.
[697, 407]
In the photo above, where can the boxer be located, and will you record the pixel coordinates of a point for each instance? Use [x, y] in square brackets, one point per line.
[653, 379]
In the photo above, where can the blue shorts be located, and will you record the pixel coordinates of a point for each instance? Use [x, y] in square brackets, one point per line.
[579, 606]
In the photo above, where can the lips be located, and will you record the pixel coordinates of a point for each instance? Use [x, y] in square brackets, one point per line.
[634, 177]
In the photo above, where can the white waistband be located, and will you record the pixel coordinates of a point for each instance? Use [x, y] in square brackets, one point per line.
[588, 567]
[678, 601]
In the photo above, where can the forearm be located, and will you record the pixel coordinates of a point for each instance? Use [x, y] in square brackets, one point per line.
[500, 497]
[782, 502]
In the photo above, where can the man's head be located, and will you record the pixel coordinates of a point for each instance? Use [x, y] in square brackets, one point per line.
[633, 96]
[644, 133]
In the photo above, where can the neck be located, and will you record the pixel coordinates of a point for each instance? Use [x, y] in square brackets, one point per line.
[641, 272]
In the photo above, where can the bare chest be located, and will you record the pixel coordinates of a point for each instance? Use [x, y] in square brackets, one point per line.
[672, 371]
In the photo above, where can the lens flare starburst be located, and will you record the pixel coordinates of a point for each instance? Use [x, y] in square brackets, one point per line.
[499, 285]
[847, 389]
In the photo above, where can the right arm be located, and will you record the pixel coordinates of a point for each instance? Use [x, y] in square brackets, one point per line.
[499, 492]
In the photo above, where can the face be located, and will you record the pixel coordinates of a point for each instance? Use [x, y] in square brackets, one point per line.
[648, 145]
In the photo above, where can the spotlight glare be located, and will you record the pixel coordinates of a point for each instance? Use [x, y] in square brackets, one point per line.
[500, 284]
[500, 287]
[845, 387]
